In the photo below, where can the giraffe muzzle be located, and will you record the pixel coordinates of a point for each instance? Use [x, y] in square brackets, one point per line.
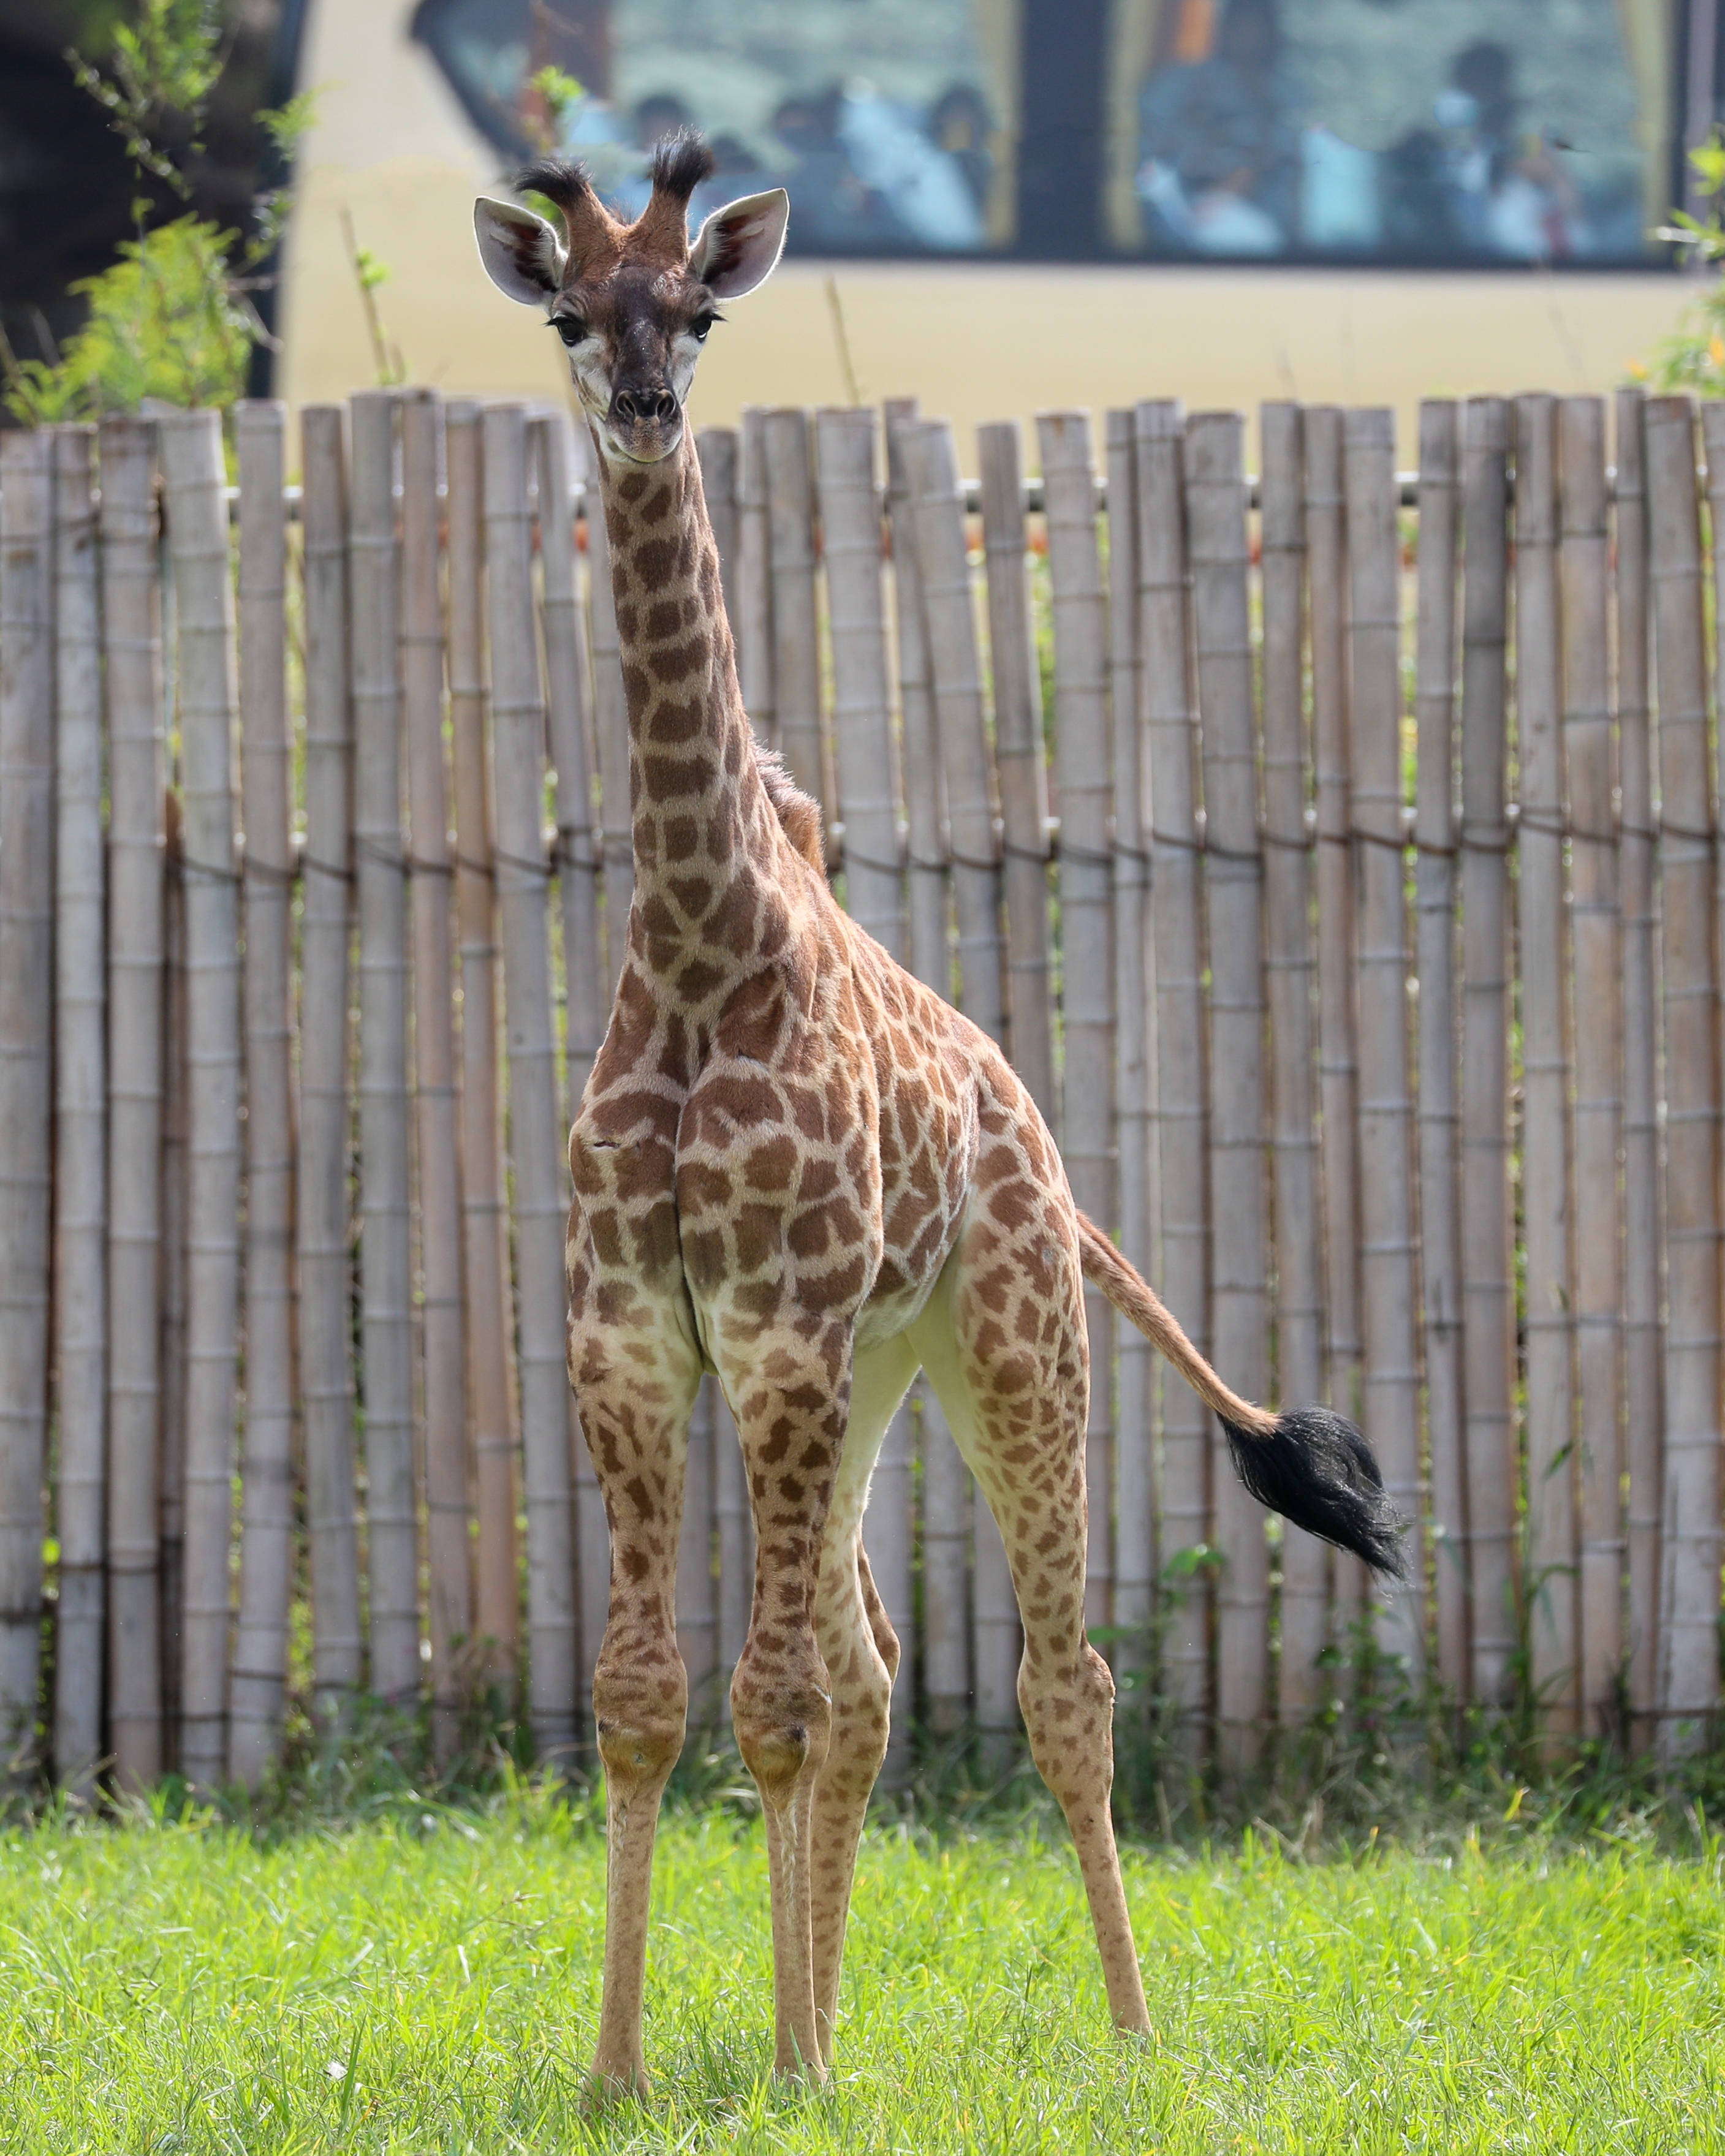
[644, 425]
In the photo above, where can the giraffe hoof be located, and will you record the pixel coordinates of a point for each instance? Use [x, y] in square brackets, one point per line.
[620, 2082]
[800, 2074]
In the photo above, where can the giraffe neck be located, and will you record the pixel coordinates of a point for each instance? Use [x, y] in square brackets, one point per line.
[707, 840]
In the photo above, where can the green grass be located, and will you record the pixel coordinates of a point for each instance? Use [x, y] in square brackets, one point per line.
[431, 1983]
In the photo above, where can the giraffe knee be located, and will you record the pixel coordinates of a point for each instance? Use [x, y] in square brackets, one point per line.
[640, 1703]
[781, 1713]
[1069, 1716]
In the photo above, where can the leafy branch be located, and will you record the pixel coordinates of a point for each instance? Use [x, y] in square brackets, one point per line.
[1693, 358]
[171, 320]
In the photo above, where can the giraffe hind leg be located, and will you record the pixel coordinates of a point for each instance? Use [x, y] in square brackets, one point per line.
[1004, 1346]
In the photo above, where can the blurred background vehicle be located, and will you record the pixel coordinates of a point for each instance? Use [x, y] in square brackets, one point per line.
[997, 205]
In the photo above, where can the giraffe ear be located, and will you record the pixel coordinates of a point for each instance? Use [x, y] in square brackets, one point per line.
[522, 255]
[739, 246]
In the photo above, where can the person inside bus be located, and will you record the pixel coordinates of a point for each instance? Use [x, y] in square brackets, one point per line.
[1219, 151]
[1480, 183]
[959, 124]
[897, 153]
[833, 206]
[659, 114]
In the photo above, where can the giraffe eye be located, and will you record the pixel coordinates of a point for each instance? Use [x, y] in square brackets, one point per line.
[569, 327]
[700, 326]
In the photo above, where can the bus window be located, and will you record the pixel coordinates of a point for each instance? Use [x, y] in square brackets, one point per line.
[894, 125]
[1460, 131]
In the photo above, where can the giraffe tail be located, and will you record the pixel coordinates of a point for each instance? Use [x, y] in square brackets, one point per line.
[1309, 1463]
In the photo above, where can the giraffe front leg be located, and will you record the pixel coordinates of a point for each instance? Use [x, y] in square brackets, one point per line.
[790, 1401]
[861, 1653]
[635, 1396]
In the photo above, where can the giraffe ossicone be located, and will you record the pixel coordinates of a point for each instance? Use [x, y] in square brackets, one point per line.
[798, 1167]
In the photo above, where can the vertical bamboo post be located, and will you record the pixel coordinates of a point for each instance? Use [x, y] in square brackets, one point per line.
[80, 1120]
[1688, 1673]
[175, 1262]
[258, 1677]
[941, 555]
[1548, 1575]
[326, 1271]
[1487, 1219]
[568, 698]
[1022, 761]
[197, 545]
[1289, 978]
[1083, 772]
[717, 446]
[484, 1226]
[385, 1245]
[131, 635]
[1596, 934]
[1391, 1376]
[867, 804]
[1643, 1350]
[28, 751]
[1134, 1461]
[1338, 1031]
[1435, 962]
[966, 762]
[27, 754]
[862, 719]
[518, 781]
[616, 846]
[1178, 1090]
[753, 622]
[447, 1539]
[946, 1481]
[796, 634]
[1240, 1302]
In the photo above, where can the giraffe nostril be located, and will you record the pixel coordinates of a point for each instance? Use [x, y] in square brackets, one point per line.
[631, 405]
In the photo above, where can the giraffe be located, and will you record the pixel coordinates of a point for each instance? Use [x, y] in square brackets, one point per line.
[796, 1166]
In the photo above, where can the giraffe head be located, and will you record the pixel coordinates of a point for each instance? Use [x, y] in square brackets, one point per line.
[632, 302]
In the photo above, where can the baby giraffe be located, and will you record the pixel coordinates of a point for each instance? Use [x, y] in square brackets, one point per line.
[797, 1167]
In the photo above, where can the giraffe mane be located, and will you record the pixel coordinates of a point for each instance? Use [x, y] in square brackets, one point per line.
[798, 816]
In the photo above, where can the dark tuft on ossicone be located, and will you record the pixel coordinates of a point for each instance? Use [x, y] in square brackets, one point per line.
[680, 163]
[560, 180]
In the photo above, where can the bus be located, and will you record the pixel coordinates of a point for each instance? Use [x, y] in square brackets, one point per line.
[1003, 206]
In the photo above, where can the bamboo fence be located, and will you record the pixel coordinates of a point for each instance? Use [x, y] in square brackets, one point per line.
[1335, 851]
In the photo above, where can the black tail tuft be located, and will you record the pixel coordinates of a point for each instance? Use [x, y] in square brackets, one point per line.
[1315, 1469]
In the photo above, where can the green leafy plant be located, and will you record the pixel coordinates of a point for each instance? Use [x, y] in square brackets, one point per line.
[369, 274]
[166, 324]
[1693, 358]
[555, 93]
[171, 320]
